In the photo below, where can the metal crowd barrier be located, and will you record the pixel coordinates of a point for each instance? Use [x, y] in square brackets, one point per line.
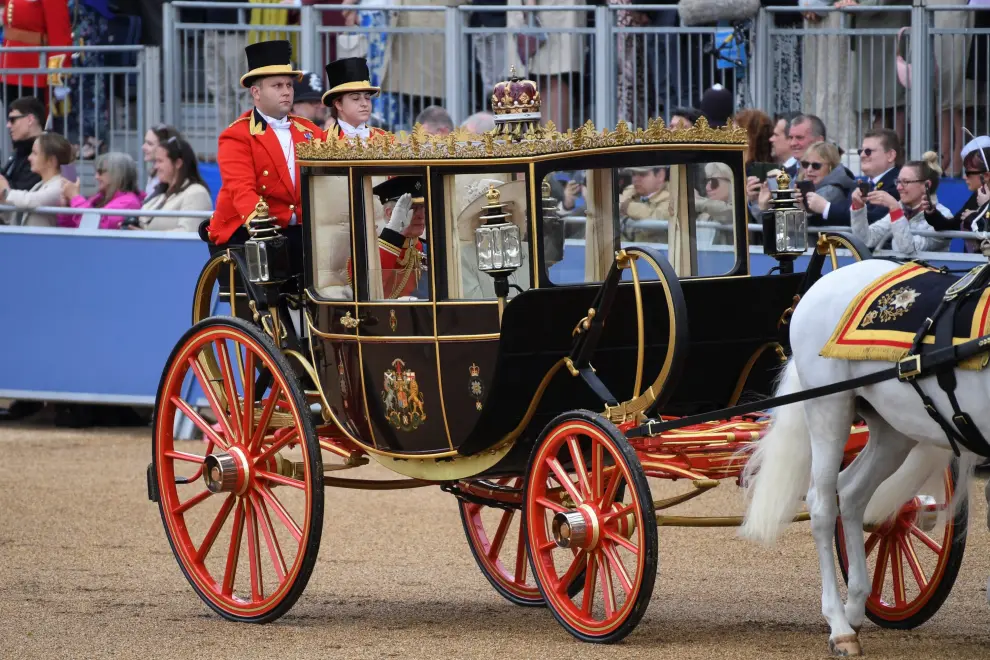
[106, 105]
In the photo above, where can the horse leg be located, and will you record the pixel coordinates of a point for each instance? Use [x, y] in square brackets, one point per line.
[886, 450]
[828, 420]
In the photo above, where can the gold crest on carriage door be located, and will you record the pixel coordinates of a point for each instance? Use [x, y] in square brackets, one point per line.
[402, 398]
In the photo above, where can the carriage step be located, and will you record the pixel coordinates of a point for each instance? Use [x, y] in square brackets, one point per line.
[152, 484]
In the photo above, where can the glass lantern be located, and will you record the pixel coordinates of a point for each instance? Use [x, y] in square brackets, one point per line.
[499, 247]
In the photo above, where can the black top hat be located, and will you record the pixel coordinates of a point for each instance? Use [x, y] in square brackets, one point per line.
[398, 186]
[350, 74]
[308, 88]
[269, 58]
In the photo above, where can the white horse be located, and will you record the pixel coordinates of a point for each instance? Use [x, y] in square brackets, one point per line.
[802, 452]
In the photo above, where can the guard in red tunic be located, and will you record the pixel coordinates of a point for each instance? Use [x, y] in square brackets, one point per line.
[349, 98]
[400, 245]
[34, 23]
[257, 153]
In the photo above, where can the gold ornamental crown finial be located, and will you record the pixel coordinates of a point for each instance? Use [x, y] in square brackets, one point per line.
[493, 196]
[783, 181]
[261, 208]
[512, 71]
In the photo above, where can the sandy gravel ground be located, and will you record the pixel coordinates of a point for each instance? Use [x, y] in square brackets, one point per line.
[86, 572]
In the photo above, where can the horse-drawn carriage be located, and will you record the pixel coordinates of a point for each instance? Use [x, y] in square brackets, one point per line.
[532, 363]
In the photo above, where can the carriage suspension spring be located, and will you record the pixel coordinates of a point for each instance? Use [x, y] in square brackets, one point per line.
[483, 501]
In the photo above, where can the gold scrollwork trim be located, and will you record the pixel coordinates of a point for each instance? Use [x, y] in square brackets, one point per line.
[461, 144]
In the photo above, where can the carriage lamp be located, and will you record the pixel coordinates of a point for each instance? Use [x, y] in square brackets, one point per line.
[553, 228]
[499, 247]
[267, 251]
[785, 226]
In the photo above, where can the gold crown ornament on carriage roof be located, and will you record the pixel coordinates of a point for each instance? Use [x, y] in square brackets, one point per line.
[516, 105]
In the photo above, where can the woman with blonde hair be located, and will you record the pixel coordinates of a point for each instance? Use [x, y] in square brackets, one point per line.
[820, 165]
[916, 184]
[50, 152]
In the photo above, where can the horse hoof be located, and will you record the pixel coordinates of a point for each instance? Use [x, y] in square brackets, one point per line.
[845, 646]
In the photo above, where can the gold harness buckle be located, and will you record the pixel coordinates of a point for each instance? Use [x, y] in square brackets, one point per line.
[909, 367]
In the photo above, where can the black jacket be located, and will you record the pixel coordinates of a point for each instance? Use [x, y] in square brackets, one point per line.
[17, 169]
[838, 214]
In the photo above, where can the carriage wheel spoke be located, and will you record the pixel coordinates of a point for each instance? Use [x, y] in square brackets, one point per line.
[230, 572]
[608, 497]
[247, 381]
[254, 553]
[278, 561]
[291, 436]
[200, 423]
[191, 502]
[597, 474]
[266, 416]
[553, 506]
[871, 543]
[500, 532]
[617, 566]
[927, 540]
[211, 396]
[580, 559]
[608, 594]
[211, 533]
[183, 456]
[590, 575]
[912, 559]
[229, 385]
[577, 458]
[881, 570]
[619, 513]
[564, 480]
[621, 540]
[280, 511]
[897, 573]
[279, 479]
[520, 574]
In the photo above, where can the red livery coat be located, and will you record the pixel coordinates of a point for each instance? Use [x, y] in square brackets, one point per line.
[34, 23]
[252, 165]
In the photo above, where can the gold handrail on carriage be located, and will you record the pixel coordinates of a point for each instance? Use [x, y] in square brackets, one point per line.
[713, 521]
[641, 401]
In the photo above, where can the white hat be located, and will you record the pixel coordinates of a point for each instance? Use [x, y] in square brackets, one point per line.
[980, 142]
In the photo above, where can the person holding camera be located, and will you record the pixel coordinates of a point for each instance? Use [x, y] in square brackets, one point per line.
[916, 183]
[823, 180]
[117, 188]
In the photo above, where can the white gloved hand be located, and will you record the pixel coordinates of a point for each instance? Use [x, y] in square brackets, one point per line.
[401, 214]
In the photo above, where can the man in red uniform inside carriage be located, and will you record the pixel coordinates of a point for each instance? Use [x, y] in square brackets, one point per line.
[257, 153]
[400, 244]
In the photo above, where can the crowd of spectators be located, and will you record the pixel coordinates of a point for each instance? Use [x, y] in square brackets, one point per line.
[41, 172]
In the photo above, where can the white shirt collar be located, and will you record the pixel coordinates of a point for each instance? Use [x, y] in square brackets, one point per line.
[875, 179]
[275, 123]
[351, 131]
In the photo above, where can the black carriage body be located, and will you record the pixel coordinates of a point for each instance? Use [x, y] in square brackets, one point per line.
[482, 380]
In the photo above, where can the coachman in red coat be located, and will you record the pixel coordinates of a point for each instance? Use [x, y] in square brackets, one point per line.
[256, 153]
[34, 23]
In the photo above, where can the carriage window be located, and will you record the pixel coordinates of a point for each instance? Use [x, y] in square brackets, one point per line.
[331, 237]
[396, 213]
[467, 207]
[685, 212]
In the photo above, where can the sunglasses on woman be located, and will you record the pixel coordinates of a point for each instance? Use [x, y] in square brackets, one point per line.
[811, 166]
[713, 181]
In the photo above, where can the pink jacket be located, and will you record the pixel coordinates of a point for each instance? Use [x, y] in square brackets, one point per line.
[121, 200]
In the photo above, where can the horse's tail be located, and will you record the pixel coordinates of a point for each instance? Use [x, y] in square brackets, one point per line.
[779, 472]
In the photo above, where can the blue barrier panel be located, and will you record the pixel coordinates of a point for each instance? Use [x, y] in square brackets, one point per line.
[93, 315]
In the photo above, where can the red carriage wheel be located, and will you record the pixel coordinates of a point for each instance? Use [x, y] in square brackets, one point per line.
[913, 558]
[499, 547]
[599, 534]
[243, 506]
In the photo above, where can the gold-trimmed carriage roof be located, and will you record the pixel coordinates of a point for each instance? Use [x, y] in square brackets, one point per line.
[542, 141]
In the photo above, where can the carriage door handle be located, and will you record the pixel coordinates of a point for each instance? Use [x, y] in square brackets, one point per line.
[349, 321]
